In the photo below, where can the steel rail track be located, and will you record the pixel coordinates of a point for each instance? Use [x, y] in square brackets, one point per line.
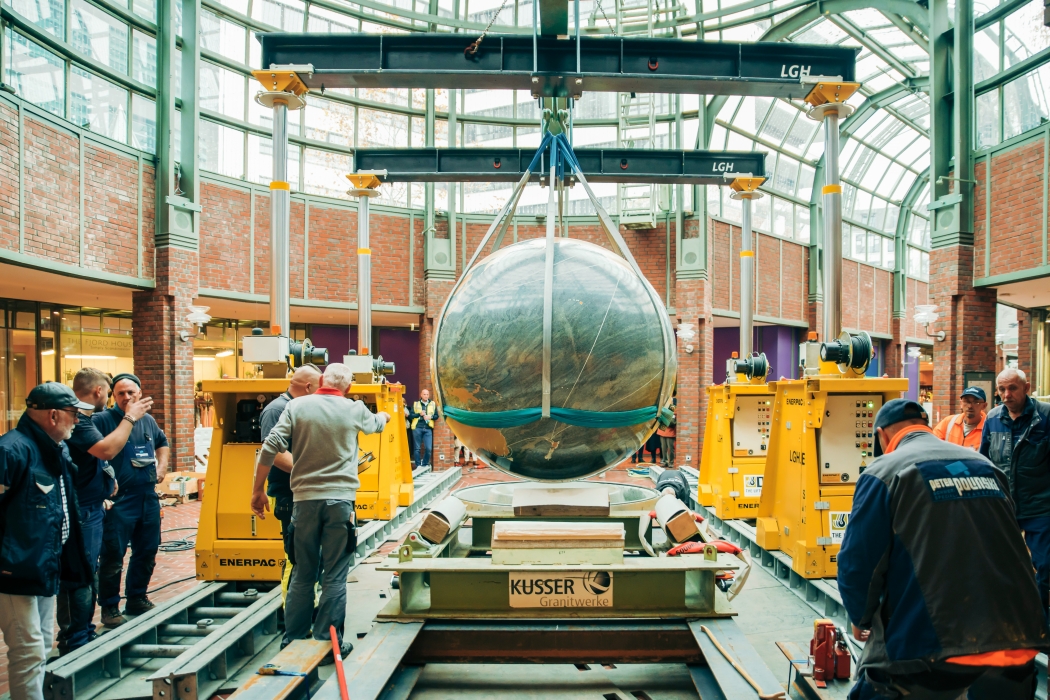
[195, 644]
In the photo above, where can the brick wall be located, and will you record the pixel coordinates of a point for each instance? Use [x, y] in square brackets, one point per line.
[8, 177]
[163, 361]
[330, 255]
[225, 250]
[1016, 210]
[781, 273]
[51, 191]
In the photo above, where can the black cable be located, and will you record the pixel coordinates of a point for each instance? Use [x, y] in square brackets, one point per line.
[172, 583]
[182, 545]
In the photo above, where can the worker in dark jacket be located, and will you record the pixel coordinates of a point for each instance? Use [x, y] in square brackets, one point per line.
[934, 574]
[135, 516]
[40, 540]
[96, 483]
[1016, 437]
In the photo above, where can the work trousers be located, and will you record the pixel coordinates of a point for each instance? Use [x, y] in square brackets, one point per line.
[667, 450]
[1037, 537]
[424, 444]
[76, 605]
[134, 519]
[950, 682]
[320, 537]
[28, 624]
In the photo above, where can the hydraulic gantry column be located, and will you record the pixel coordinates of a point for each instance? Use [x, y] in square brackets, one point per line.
[745, 189]
[827, 100]
[365, 186]
[283, 91]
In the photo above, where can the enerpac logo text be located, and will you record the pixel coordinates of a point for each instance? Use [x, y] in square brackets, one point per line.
[592, 589]
[794, 402]
[251, 562]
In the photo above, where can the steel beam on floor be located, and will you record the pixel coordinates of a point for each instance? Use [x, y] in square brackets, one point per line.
[633, 165]
[429, 485]
[607, 64]
[390, 659]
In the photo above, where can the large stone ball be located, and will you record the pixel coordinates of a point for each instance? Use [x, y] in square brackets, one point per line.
[612, 350]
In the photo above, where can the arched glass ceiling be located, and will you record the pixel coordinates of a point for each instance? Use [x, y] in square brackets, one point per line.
[94, 63]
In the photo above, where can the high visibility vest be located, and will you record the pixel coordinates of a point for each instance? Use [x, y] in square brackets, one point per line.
[429, 410]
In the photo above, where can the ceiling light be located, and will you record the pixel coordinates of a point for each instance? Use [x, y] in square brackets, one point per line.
[90, 357]
[204, 359]
[224, 353]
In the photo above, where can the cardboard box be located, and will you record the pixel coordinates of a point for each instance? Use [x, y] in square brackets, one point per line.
[181, 484]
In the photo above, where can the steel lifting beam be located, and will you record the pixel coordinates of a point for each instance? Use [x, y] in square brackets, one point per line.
[614, 64]
[599, 164]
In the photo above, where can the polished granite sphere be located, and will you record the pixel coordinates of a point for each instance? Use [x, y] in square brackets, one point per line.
[612, 349]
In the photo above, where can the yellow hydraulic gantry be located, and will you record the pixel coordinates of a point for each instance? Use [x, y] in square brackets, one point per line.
[823, 435]
[739, 411]
[232, 543]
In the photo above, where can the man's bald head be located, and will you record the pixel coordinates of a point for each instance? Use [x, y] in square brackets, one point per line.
[305, 381]
[1012, 387]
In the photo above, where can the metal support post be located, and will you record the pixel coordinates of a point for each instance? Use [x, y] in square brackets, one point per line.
[745, 188]
[364, 188]
[280, 215]
[284, 90]
[827, 99]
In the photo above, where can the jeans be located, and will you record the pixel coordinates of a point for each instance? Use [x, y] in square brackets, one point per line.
[76, 606]
[320, 536]
[1037, 537]
[424, 445]
[667, 450]
[947, 683]
[28, 624]
[134, 519]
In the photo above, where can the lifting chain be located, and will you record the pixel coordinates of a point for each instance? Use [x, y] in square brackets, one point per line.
[606, 18]
[473, 48]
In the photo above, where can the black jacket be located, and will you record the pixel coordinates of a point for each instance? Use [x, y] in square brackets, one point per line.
[33, 559]
[1027, 465]
[933, 562]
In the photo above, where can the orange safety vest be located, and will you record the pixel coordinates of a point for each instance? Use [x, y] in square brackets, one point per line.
[951, 430]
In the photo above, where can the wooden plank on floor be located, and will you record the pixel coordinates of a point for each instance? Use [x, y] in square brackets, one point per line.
[301, 656]
[735, 643]
[373, 662]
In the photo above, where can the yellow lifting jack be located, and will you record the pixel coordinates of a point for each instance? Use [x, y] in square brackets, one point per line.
[739, 411]
[822, 435]
[232, 543]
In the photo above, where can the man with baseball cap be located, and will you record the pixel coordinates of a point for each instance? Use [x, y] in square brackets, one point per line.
[135, 516]
[934, 573]
[965, 428]
[41, 543]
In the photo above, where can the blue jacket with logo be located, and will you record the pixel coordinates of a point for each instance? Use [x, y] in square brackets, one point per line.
[145, 439]
[1026, 462]
[32, 557]
[933, 562]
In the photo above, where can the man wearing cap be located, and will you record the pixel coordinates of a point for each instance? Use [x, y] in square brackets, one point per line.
[1016, 437]
[965, 428]
[95, 483]
[135, 516]
[934, 573]
[40, 539]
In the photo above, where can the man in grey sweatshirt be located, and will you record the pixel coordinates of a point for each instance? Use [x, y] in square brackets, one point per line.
[322, 430]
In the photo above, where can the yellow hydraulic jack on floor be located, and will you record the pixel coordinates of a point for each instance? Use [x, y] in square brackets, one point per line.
[822, 436]
[739, 411]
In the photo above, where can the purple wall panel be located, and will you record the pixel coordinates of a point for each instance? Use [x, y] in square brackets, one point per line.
[397, 345]
[779, 343]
